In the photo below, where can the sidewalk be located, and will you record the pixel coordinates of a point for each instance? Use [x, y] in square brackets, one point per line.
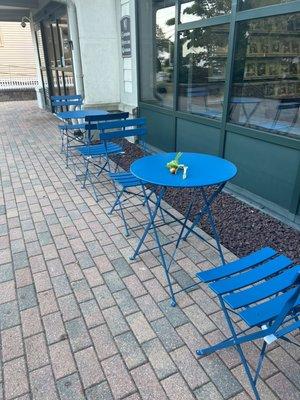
[77, 319]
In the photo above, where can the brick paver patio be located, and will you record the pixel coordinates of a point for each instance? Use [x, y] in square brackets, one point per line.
[78, 320]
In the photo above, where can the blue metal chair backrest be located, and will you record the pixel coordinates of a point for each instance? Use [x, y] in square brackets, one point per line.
[113, 130]
[92, 121]
[121, 129]
[60, 103]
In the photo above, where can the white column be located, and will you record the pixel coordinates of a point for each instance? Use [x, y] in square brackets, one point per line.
[76, 54]
[98, 37]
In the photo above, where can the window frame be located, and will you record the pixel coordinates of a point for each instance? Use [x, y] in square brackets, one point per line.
[233, 18]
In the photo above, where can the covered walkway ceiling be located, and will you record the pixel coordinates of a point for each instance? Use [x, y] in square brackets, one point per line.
[15, 10]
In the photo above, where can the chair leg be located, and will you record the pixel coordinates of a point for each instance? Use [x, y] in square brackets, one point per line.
[62, 147]
[117, 201]
[67, 152]
[87, 176]
[240, 351]
[260, 362]
[86, 163]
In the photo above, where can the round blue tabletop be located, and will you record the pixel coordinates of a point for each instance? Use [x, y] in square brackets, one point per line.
[203, 170]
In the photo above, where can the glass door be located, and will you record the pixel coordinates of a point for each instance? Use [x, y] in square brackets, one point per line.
[58, 56]
[66, 59]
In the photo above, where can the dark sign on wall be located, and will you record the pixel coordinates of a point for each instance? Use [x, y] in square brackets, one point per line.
[125, 36]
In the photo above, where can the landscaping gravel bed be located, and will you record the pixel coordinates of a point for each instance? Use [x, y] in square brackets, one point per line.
[242, 228]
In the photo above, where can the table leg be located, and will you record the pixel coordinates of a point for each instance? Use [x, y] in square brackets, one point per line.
[213, 225]
[207, 210]
[151, 223]
[152, 216]
[184, 226]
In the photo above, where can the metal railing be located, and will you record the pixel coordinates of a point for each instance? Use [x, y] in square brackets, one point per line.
[17, 77]
[21, 82]
[14, 77]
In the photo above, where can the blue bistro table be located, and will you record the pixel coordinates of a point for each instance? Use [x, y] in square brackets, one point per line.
[80, 114]
[203, 171]
[70, 116]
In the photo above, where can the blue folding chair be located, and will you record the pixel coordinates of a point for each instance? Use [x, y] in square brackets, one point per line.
[64, 103]
[95, 152]
[263, 289]
[116, 130]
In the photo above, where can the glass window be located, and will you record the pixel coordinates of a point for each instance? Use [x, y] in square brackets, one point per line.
[248, 4]
[65, 42]
[200, 9]
[157, 37]
[266, 75]
[203, 55]
[56, 44]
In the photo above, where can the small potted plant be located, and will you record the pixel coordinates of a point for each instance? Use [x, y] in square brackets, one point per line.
[173, 166]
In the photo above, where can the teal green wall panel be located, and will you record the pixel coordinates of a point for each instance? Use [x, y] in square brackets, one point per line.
[268, 163]
[161, 129]
[192, 136]
[266, 169]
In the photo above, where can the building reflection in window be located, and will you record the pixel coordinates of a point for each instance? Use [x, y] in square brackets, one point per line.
[203, 55]
[266, 85]
[157, 36]
[248, 4]
[164, 49]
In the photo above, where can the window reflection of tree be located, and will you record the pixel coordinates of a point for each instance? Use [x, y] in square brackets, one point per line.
[164, 50]
[205, 8]
[202, 65]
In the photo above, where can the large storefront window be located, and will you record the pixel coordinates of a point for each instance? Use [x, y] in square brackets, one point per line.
[266, 75]
[157, 53]
[248, 4]
[200, 9]
[203, 55]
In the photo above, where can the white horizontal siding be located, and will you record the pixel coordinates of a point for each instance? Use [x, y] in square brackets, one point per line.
[16, 50]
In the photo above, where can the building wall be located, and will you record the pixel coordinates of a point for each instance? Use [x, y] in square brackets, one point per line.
[128, 66]
[16, 50]
[110, 81]
[98, 35]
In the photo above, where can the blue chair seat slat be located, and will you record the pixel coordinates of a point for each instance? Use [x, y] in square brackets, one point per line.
[122, 124]
[249, 277]
[263, 290]
[127, 183]
[99, 149]
[267, 311]
[122, 176]
[125, 179]
[122, 133]
[236, 266]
